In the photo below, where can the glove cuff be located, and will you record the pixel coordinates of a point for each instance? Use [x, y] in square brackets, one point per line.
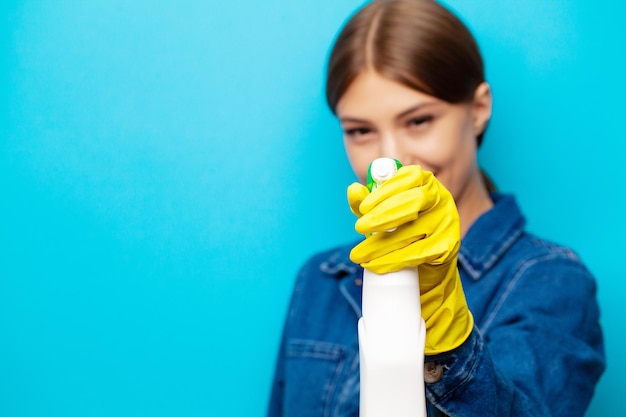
[448, 320]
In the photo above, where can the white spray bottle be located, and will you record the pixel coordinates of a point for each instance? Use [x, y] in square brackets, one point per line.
[392, 333]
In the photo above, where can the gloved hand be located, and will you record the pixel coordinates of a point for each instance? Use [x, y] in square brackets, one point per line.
[427, 236]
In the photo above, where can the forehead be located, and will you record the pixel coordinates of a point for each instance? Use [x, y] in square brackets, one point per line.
[371, 92]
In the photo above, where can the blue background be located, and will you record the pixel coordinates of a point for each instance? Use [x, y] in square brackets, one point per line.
[167, 166]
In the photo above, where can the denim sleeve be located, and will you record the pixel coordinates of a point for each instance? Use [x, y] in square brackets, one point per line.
[276, 396]
[539, 351]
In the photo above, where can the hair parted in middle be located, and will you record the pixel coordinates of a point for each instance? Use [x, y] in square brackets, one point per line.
[418, 43]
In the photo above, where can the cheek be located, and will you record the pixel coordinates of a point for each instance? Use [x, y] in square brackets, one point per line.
[459, 168]
[445, 153]
[360, 159]
[433, 154]
[360, 167]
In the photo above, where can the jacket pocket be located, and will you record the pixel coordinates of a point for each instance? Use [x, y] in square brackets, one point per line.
[312, 374]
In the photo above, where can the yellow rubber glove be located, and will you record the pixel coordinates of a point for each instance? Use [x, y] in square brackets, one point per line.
[427, 237]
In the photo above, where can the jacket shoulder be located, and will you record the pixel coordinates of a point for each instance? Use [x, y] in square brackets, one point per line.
[333, 262]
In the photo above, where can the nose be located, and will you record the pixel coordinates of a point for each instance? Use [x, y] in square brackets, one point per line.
[390, 146]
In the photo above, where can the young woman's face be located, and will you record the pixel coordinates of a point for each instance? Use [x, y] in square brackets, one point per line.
[381, 117]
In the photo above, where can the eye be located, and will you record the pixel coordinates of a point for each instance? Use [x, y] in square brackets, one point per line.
[419, 121]
[357, 133]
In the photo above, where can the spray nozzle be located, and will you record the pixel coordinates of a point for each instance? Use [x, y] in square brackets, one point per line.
[380, 170]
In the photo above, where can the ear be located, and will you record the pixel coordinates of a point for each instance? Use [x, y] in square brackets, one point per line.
[481, 107]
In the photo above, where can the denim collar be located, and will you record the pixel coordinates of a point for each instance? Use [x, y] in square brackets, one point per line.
[339, 263]
[491, 235]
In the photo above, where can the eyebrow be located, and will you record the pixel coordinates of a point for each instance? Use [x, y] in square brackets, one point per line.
[402, 114]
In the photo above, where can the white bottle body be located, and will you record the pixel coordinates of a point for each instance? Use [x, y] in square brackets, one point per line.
[391, 346]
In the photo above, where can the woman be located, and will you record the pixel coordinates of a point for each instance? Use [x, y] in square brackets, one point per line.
[511, 319]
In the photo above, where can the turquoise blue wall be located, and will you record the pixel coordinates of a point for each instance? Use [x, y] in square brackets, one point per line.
[167, 166]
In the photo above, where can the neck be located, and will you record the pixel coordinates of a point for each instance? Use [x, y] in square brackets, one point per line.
[472, 202]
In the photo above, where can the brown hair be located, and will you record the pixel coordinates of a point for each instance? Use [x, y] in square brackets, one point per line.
[417, 43]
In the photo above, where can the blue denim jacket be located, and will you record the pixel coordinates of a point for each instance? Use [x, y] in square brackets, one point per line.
[536, 348]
